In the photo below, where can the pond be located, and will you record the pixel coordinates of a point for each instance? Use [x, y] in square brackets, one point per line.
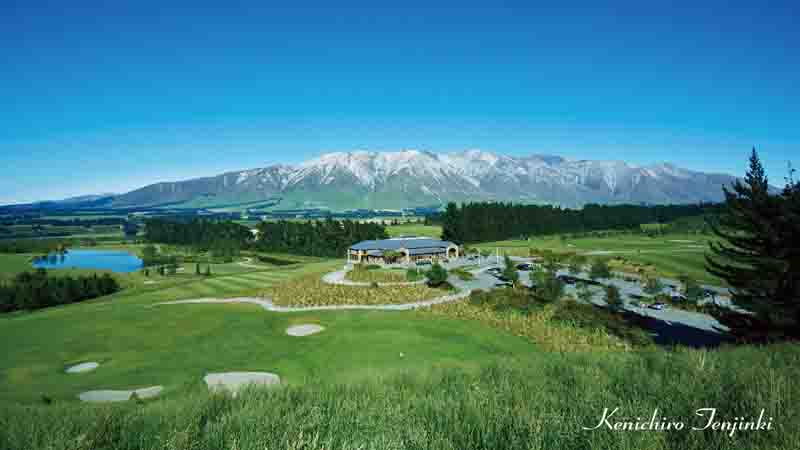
[114, 260]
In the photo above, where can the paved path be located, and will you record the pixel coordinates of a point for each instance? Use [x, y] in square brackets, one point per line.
[267, 304]
[464, 289]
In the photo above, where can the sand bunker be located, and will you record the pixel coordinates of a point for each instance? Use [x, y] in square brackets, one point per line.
[600, 252]
[83, 367]
[233, 381]
[682, 241]
[119, 396]
[304, 330]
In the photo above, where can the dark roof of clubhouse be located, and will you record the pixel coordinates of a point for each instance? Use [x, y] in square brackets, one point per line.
[415, 245]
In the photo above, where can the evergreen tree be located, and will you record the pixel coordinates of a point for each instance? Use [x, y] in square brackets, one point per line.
[758, 253]
[451, 224]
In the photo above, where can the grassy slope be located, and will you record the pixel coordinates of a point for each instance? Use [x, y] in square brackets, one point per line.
[174, 345]
[459, 383]
[540, 401]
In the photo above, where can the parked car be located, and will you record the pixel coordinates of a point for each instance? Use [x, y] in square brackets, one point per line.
[657, 306]
[503, 284]
[525, 266]
[678, 297]
[424, 263]
[566, 279]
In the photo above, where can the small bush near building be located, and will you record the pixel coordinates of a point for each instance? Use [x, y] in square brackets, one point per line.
[437, 276]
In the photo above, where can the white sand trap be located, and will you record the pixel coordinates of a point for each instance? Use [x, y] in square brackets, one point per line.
[233, 381]
[150, 282]
[304, 330]
[119, 396]
[600, 252]
[682, 241]
[83, 367]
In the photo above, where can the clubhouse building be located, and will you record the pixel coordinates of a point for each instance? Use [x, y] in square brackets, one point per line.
[401, 250]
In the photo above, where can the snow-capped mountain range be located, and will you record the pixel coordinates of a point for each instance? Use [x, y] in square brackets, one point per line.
[384, 180]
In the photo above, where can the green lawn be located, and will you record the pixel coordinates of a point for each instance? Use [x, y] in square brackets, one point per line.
[414, 229]
[670, 254]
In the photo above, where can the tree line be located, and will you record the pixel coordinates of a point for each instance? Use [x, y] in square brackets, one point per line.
[40, 246]
[327, 237]
[35, 290]
[495, 221]
[198, 233]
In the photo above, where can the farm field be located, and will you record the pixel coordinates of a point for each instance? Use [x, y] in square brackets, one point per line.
[670, 255]
[414, 229]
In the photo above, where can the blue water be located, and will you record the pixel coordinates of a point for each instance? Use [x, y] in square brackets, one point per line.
[114, 260]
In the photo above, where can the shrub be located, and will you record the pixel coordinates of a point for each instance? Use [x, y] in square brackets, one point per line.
[599, 269]
[437, 275]
[550, 288]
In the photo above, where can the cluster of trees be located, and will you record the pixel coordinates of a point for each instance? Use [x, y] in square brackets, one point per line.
[490, 221]
[759, 255]
[315, 238]
[34, 290]
[199, 234]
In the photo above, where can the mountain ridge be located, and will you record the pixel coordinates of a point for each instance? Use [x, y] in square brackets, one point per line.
[412, 178]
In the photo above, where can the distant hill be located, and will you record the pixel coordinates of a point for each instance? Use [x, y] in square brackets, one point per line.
[413, 178]
[393, 180]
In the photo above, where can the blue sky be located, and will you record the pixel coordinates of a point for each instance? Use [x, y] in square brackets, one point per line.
[102, 97]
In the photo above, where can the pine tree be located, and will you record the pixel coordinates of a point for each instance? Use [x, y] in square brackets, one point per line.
[758, 253]
[451, 224]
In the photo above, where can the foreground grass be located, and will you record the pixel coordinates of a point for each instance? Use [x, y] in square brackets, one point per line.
[541, 403]
[310, 290]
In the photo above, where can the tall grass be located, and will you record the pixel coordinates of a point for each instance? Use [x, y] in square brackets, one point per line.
[310, 290]
[513, 405]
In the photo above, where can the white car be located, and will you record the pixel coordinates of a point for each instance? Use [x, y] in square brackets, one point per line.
[657, 306]
[678, 297]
